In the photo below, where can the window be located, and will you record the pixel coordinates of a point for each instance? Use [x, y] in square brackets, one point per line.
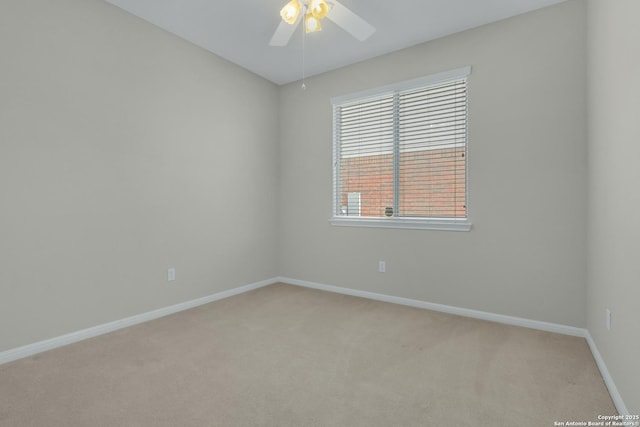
[400, 155]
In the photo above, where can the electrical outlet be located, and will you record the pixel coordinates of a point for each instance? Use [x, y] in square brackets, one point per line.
[171, 274]
[608, 319]
[382, 266]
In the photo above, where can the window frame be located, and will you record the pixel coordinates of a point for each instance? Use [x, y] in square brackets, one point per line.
[432, 223]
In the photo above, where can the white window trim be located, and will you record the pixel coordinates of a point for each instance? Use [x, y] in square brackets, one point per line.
[444, 224]
[429, 80]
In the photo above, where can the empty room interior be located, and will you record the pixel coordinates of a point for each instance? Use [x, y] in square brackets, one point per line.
[197, 226]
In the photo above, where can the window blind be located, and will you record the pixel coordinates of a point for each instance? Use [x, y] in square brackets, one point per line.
[366, 154]
[432, 151]
[404, 151]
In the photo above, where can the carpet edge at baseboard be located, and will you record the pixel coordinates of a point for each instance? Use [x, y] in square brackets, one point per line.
[606, 376]
[465, 312]
[94, 331]
[52, 343]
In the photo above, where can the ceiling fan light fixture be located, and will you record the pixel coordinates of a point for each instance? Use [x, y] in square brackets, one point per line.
[311, 23]
[290, 12]
[310, 13]
[319, 8]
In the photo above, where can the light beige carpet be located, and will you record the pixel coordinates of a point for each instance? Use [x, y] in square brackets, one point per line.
[289, 356]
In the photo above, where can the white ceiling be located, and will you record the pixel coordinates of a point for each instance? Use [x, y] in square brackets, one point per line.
[240, 30]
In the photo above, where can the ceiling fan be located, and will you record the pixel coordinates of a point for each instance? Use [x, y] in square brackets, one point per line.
[313, 11]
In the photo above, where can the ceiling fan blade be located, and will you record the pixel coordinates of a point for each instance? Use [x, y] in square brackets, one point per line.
[350, 22]
[284, 32]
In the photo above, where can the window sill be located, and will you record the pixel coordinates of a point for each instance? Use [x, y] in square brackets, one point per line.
[410, 223]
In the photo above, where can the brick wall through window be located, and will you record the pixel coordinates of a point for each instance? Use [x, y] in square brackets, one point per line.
[437, 190]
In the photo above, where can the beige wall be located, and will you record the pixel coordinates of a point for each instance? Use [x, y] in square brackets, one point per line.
[614, 149]
[124, 151]
[526, 255]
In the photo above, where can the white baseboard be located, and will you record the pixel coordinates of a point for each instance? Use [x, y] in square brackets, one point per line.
[606, 376]
[50, 344]
[499, 318]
